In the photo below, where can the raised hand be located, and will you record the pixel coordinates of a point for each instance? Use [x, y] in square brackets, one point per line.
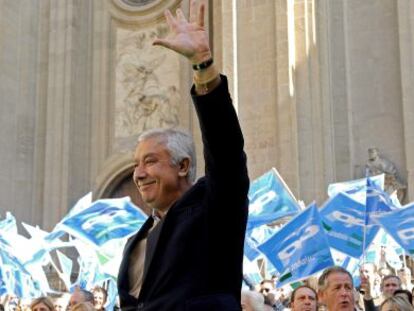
[188, 38]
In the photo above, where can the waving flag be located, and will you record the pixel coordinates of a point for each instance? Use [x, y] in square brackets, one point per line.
[300, 248]
[254, 238]
[356, 188]
[377, 201]
[343, 219]
[15, 278]
[400, 225]
[8, 224]
[270, 199]
[104, 220]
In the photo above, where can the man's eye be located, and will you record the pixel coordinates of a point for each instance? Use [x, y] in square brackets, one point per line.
[150, 161]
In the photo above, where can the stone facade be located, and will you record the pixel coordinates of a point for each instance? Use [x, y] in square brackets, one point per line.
[315, 82]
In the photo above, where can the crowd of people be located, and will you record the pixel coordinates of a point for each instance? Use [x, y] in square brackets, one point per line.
[335, 290]
[79, 300]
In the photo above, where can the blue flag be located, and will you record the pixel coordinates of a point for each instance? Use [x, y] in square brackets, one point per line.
[377, 201]
[356, 188]
[300, 248]
[104, 220]
[400, 225]
[254, 238]
[270, 199]
[343, 219]
[250, 249]
[8, 224]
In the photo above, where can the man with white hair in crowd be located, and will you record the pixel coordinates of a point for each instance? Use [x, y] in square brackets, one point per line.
[389, 285]
[252, 301]
[80, 295]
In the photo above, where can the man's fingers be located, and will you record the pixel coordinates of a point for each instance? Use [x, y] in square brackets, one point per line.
[200, 21]
[162, 42]
[170, 19]
[193, 12]
[167, 44]
[180, 15]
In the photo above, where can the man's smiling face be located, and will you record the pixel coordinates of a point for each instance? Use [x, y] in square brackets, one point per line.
[159, 181]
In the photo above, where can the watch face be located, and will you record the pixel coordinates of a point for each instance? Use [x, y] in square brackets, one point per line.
[138, 2]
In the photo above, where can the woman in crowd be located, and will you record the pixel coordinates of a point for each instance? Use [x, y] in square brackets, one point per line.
[99, 298]
[42, 304]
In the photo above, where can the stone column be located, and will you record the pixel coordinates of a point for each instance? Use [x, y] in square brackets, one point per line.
[67, 141]
[406, 40]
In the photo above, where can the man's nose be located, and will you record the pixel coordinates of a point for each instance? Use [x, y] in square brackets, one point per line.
[139, 172]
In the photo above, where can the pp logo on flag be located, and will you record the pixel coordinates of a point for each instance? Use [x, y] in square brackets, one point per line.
[288, 252]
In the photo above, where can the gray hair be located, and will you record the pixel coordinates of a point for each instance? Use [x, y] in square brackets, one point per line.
[323, 279]
[397, 303]
[87, 295]
[255, 299]
[180, 145]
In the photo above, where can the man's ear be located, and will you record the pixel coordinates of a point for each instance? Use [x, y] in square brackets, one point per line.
[184, 167]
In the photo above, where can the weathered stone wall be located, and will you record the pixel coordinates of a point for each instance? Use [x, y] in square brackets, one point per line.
[315, 82]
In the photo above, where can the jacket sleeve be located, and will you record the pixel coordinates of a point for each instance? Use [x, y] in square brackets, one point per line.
[225, 160]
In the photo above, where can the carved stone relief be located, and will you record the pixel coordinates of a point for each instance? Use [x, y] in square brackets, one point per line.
[146, 90]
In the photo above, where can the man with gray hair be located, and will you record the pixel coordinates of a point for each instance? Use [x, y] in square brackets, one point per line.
[252, 301]
[189, 255]
[336, 289]
[80, 295]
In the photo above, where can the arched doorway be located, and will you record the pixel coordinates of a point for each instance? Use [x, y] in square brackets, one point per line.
[126, 187]
[115, 181]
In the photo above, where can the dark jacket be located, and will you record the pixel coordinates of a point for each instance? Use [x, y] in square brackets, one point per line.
[195, 253]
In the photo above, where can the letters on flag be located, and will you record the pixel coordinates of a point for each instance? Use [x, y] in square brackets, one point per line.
[300, 248]
[270, 199]
[343, 220]
[400, 225]
[104, 220]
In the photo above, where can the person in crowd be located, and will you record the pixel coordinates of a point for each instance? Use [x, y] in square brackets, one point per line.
[405, 294]
[396, 303]
[304, 298]
[267, 289]
[389, 285]
[358, 300]
[99, 297]
[175, 260]
[42, 304]
[80, 295]
[405, 276]
[252, 301]
[11, 302]
[369, 271]
[83, 306]
[335, 289]
[61, 302]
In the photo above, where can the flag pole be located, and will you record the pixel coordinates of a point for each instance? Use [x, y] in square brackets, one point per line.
[365, 219]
